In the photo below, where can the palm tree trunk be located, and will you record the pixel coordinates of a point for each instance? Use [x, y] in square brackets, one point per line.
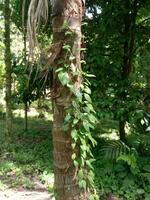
[8, 72]
[67, 16]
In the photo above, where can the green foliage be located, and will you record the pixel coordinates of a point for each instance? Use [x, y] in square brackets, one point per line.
[104, 41]
[130, 159]
[115, 178]
[31, 81]
[113, 149]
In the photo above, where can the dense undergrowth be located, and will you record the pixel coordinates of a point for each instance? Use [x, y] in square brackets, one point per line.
[119, 180]
[121, 170]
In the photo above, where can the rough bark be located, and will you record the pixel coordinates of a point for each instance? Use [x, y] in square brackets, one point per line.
[8, 68]
[70, 12]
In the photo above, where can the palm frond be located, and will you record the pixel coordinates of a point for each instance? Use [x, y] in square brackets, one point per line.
[38, 10]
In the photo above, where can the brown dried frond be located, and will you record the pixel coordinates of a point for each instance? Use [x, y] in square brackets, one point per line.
[38, 10]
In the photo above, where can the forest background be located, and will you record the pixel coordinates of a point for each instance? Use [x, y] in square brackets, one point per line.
[116, 48]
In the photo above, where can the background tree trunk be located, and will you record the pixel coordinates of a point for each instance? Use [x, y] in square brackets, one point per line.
[26, 116]
[67, 16]
[25, 62]
[8, 68]
[129, 48]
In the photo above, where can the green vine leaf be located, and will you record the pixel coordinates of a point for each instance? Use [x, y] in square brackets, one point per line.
[73, 156]
[80, 174]
[63, 77]
[74, 134]
[92, 118]
[87, 97]
[82, 184]
[86, 126]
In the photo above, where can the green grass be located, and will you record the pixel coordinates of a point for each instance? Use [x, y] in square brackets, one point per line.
[28, 156]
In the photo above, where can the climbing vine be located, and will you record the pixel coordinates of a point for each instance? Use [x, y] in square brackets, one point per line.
[80, 118]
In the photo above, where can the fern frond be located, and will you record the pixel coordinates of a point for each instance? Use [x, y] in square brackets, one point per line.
[144, 139]
[130, 159]
[113, 149]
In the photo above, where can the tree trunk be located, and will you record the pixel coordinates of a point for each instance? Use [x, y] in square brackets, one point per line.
[25, 62]
[129, 47]
[8, 68]
[67, 16]
[26, 116]
[122, 132]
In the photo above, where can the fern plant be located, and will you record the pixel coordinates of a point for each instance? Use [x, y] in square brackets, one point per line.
[117, 150]
[142, 144]
[113, 149]
[144, 139]
[130, 159]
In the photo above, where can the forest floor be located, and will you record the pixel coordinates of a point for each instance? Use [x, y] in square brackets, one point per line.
[39, 193]
[26, 170]
[26, 165]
